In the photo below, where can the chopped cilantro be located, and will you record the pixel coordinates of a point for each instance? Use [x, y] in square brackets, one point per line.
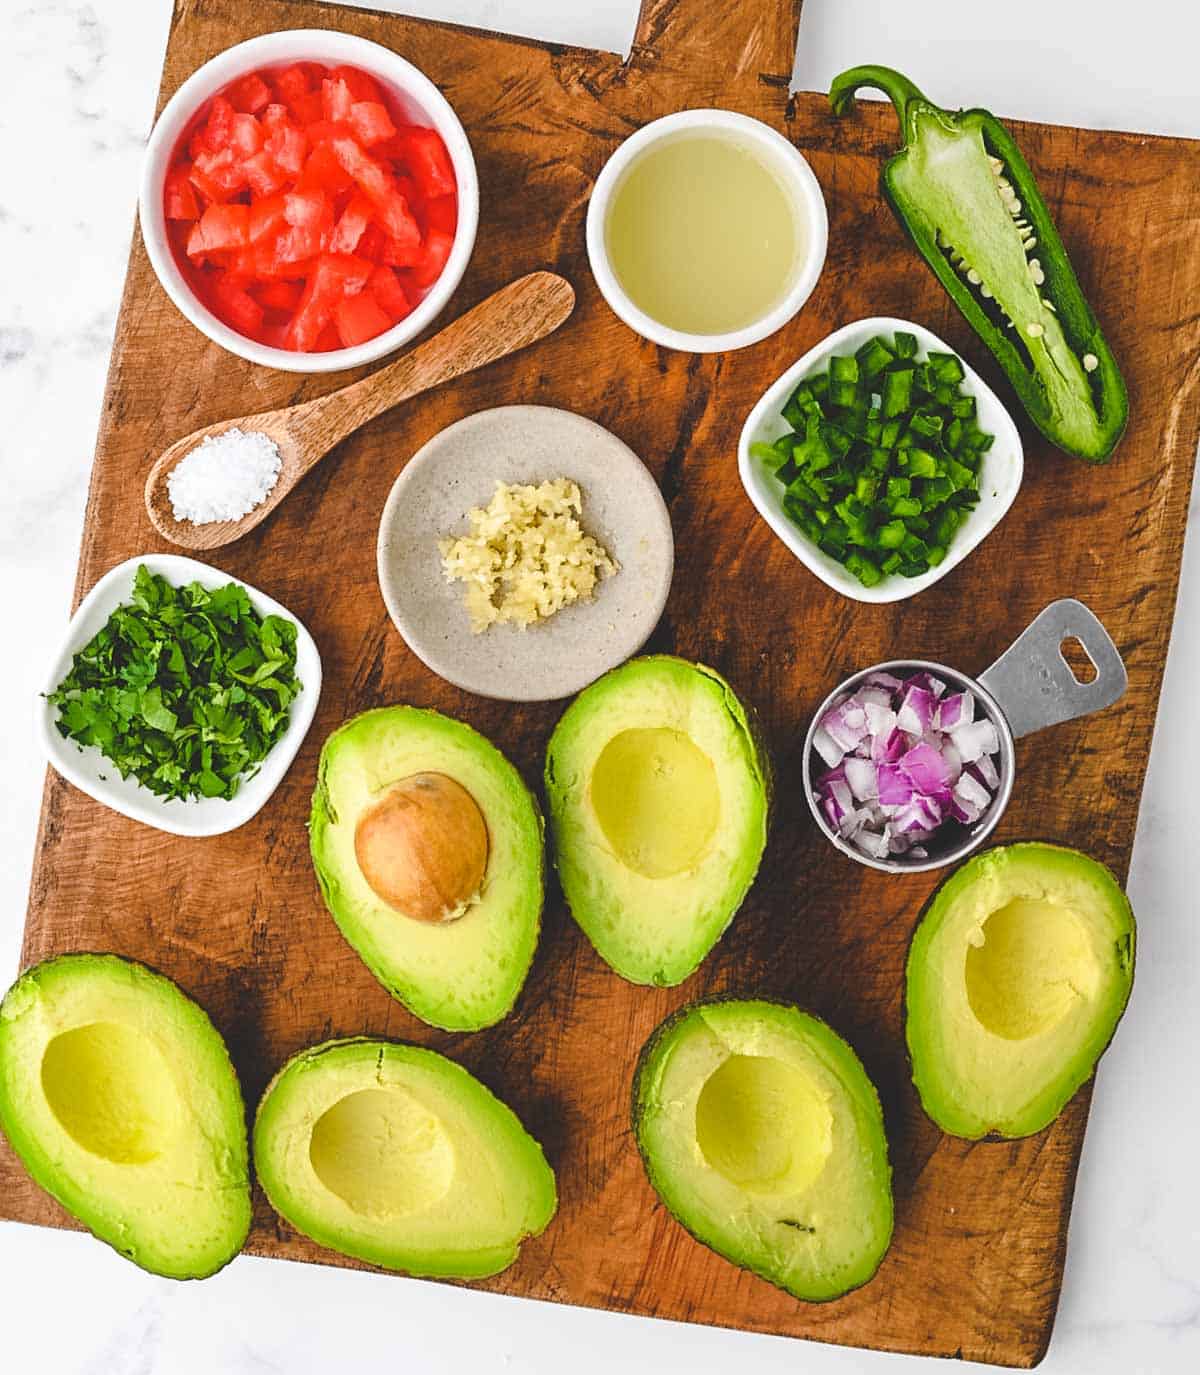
[184, 689]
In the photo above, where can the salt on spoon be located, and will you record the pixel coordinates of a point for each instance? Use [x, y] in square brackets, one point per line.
[224, 477]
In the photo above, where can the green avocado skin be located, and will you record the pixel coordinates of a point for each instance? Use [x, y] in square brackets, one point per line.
[1009, 872]
[532, 1179]
[564, 798]
[231, 1178]
[859, 1092]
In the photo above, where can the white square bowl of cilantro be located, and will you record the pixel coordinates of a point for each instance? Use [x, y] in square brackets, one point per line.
[200, 697]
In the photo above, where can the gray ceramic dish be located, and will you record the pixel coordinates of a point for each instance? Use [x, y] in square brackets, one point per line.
[458, 469]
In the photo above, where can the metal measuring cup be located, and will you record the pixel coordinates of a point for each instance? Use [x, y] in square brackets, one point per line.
[1029, 687]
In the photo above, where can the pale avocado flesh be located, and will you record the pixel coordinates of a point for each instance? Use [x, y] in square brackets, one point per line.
[398, 1156]
[458, 975]
[657, 790]
[119, 1096]
[763, 1135]
[1017, 977]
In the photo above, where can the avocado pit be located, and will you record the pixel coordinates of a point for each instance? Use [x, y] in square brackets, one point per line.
[423, 847]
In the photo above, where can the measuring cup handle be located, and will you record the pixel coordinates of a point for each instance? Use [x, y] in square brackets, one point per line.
[1033, 682]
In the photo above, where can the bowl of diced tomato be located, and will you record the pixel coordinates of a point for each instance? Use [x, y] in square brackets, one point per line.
[309, 200]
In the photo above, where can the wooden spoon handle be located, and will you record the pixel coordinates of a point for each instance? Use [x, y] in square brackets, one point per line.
[512, 318]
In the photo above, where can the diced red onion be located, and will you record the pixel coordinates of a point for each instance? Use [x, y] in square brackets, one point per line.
[827, 747]
[915, 713]
[925, 767]
[860, 775]
[956, 710]
[846, 723]
[927, 682]
[881, 720]
[904, 758]
[974, 740]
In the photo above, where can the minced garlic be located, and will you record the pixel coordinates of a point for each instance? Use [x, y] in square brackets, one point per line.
[527, 556]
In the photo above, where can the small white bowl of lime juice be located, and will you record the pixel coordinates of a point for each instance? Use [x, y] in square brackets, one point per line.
[706, 231]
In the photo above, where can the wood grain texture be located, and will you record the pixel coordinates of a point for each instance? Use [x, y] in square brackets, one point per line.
[981, 1229]
[513, 318]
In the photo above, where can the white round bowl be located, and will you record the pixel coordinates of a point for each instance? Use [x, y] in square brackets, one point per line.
[999, 475]
[793, 171]
[278, 50]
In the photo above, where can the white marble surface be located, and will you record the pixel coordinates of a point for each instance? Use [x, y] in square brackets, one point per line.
[75, 105]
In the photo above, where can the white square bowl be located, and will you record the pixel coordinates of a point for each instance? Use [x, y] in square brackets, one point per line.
[999, 475]
[95, 775]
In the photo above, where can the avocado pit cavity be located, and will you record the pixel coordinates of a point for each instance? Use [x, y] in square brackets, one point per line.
[383, 1153]
[1028, 967]
[423, 847]
[763, 1125]
[656, 797]
[111, 1091]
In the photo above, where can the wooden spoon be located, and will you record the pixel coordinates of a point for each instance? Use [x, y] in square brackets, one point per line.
[515, 316]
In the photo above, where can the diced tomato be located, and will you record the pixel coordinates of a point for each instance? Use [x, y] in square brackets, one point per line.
[288, 145]
[218, 128]
[407, 252]
[309, 207]
[218, 170]
[370, 121]
[362, 86]
[308, 108]
[297, 243]
[336, 98]
[279, 295]
[436, 251]
[333, 279]
[310, 218]
[263, 174]
[266, 216]
[221, 227]
[359, 318]
[238, 307]
[322, 130]
[429, 162]
[292, 84]
[179, 196]
[275, 335]
[324, 171]
[390, 206]
[246, 136]
[351, 225]
[385, 286]
[372, 243]
[442, 213]
[250, 95]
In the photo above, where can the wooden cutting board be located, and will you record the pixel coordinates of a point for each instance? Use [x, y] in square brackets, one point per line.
[981, 1229]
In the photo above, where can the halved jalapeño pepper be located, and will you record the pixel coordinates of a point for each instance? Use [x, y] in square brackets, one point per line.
[968, 199]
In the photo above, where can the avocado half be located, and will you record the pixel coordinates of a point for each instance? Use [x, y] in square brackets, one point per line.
[657, 789]
[398, 1156]
[118, 1094]
[1017, 977]
[463, 972]
[762, 1134]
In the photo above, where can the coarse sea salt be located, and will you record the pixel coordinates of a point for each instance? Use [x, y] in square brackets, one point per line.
[224, 477]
